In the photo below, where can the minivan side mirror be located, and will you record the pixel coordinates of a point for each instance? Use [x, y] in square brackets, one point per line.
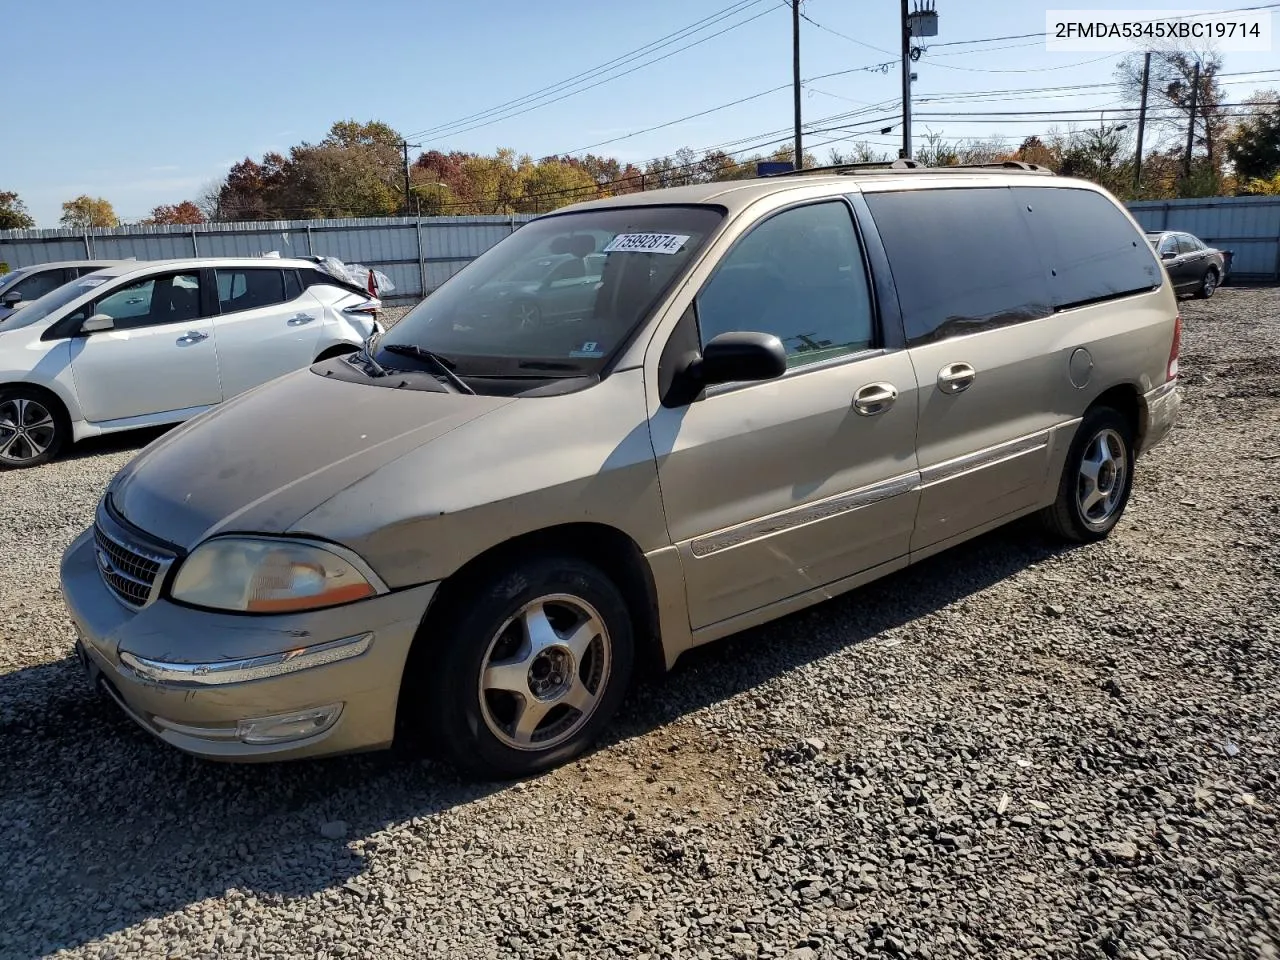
[740, 356]
[97, 323]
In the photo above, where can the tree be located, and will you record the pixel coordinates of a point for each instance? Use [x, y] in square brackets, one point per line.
[13, 212]
[85, 211]
[184, 212]
[1169, 98]
[1253, 144]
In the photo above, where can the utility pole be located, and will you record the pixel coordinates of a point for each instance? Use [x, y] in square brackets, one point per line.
[795, 75]
[408, 195]
[906, 83]
[1142, 124]
[1191, 125]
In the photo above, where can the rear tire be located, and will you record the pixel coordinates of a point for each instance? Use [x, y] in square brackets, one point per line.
[1096, 480]
[34, 427]
[522, 672]
[1209, 284]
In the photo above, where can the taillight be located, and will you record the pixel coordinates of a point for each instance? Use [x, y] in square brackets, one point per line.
[1171, 372]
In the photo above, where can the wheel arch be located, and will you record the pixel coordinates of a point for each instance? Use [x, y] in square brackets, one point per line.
[65, 405]
[1127, 400]
[617, 555]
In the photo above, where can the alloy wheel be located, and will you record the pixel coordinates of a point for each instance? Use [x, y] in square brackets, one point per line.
[545, 672]
[27, 430]
[1101, 482]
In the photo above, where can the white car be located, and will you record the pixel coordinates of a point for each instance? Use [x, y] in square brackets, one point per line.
[157, 342]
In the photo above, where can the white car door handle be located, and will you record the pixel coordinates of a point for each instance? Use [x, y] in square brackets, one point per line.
[192, 336]
[300, 319]
[955, 377]
[874, 398]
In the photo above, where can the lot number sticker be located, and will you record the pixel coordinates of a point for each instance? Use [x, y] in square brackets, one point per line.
[667, 243]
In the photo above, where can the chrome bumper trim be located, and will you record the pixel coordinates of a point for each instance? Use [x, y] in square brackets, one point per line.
[253, 668]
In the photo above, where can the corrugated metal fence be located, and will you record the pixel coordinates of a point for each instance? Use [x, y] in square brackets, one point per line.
[1248, 226]
[418, 255]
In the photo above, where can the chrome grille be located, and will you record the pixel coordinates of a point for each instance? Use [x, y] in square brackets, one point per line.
[131, 570]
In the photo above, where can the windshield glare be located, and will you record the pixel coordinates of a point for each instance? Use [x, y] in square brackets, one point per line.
[562, 293]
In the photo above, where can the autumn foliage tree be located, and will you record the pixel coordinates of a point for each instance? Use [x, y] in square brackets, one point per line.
[184, 212]
[13, 212]
[85, 211]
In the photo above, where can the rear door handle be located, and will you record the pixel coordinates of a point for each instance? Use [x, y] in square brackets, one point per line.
[874, 398]
[192, 336]
[300, 319]
[955, 377]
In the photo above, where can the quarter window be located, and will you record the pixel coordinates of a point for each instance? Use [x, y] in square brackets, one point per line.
[799, 276]
[1089, 247]
[292, 285]
[249, 289]
[962, 260]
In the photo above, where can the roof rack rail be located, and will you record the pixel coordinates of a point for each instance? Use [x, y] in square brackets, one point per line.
[899, 164]
[904, 164]
[1005, 165]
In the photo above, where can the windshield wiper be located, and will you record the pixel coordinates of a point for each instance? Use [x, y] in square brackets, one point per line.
[439, 362]
[367, 350]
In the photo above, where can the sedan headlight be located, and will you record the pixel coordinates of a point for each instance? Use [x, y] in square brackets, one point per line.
[263, 575]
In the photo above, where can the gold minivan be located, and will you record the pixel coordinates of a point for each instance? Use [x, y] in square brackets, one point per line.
[634, 426]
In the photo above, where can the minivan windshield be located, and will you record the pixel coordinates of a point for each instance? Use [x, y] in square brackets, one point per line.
[558, 297]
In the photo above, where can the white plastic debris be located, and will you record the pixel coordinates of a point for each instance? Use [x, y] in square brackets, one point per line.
[358, 274]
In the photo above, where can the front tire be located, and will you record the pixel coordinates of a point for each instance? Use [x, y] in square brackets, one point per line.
[1209, 284]
[33, 428]
[1096, 480]
[523, 673]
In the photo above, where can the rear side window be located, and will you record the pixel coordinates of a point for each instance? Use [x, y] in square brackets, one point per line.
[962, 260]
[1090, 249]
[249, 289]
[1187, 244]
[292, 286]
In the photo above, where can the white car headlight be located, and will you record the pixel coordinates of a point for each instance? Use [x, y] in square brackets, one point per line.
[264, 575]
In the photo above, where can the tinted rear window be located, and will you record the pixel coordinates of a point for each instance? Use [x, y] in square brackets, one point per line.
[1090, 249]
[962, 260]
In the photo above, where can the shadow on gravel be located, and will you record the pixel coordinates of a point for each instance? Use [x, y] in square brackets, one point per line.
[103, 827]
[128, 440]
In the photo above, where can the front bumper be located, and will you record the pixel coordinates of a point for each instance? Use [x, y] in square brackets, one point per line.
[1163, 404]
[201, 680]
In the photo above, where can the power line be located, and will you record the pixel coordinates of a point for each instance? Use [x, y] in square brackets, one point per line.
[593, 78]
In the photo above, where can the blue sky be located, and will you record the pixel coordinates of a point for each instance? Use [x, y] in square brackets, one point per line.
[145, 102]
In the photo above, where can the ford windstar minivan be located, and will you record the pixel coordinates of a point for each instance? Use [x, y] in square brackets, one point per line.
[716, 405]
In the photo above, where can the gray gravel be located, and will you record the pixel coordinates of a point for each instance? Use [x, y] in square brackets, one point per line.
[1009, 751]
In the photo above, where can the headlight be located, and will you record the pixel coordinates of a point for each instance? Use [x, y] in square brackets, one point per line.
[261, 575]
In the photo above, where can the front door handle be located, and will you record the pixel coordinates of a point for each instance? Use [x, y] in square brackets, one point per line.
[192, 336]
[955, 377]
[874, 398]
[300, 319]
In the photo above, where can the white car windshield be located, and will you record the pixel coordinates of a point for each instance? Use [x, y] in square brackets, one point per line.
[13, 276]
[38, 310]
[560, 296]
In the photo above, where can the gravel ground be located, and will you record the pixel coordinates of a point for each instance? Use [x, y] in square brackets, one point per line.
[1010, 750]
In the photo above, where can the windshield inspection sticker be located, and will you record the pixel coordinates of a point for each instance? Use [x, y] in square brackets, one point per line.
[590, 349]
[667, 243]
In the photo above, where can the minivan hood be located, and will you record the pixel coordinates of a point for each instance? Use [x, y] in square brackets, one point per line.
[259, 462]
